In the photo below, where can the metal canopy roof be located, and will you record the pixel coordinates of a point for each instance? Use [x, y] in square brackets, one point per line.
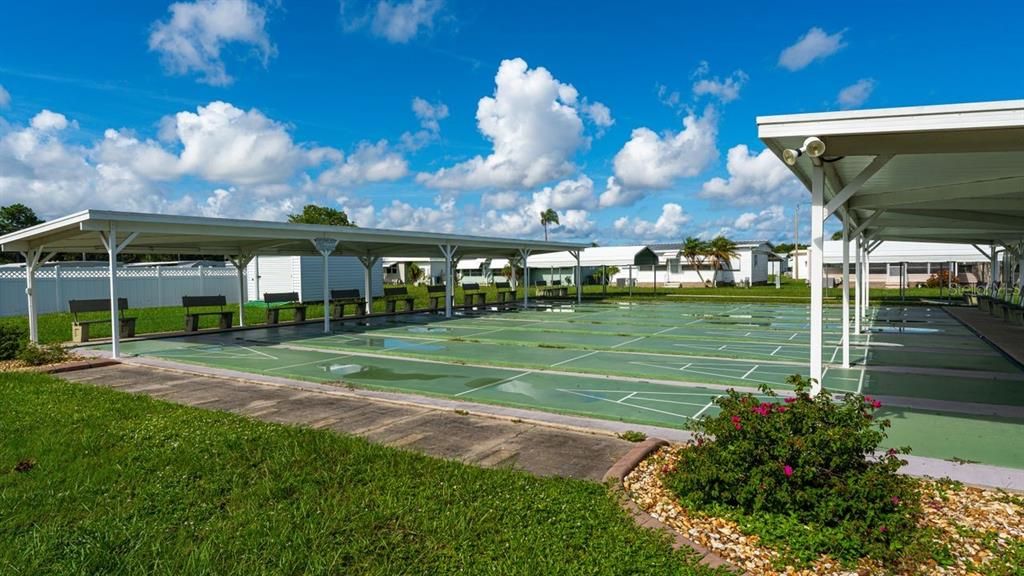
[598, 256]
[956, 173]
[160, 233]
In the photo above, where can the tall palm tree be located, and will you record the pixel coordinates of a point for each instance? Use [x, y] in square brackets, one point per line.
[548, 216]
[694, 251]
[721, 250]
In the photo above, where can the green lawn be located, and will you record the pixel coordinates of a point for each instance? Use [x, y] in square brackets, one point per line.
[122, 484]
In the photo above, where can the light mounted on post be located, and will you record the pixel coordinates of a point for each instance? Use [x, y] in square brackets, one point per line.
[813, 147]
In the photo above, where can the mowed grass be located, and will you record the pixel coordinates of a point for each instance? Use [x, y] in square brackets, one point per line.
[93, 481]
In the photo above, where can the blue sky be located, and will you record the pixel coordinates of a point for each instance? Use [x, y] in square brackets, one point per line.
[635, 121]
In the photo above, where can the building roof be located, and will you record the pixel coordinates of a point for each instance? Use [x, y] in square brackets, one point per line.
[897, 251]
[167, 234]
[598, 256]
[676, 246]
[950, 173]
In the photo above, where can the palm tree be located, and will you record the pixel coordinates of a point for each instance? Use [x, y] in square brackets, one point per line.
[548, 216]
[694, 251]
[721, 250]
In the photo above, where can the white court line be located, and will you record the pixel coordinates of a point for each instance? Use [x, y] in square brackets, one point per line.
[747, 334]
[723, 346]
[628, 342]
[694, 321]
[834, 352]
[498, 383]
[574, 358]
[308, 363]
[624, 404]
[484, 332]
[864, 368]
[626, 397]
[647, 392]
[776, 351]
[795, 334]
[704, 409]
[663, 331]
[668, 401]
[258, 352]
[744, 377]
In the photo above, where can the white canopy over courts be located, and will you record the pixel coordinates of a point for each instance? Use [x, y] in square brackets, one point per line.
[114, 233]
[950, 173]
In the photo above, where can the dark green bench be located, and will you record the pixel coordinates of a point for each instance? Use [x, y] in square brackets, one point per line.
[342, 298]
[204, 305]
[80, 326]
[506, 294]
[277, 301]
[436, 295]
[397, 294]
[473, 294]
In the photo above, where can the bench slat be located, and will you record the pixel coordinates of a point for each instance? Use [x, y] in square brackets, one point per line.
[275, 297]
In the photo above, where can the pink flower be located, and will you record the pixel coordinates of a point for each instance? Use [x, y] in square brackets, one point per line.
[763, 409]
[890, 452]
[738, 426]
[781, 408]
[882, 529]
[895, 500]
[876, 404]
[787, 470]
[790, 400]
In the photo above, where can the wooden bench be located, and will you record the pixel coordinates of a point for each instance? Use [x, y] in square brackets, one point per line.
[80, 326]
[283, 301]
[436, 295]
[342, 298]
[471, 293]
[189, 303]
[506, 294]
[396, 294]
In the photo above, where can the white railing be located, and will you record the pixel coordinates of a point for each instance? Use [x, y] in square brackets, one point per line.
[144, 287]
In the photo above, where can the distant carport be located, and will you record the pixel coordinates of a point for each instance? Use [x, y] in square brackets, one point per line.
[598, 257]
[113, 233]
[950, 173]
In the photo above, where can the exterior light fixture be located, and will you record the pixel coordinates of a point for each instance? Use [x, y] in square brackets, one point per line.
[813, 147]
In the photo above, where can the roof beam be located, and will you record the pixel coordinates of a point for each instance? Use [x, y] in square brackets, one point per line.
[857, 183]
[955, 191]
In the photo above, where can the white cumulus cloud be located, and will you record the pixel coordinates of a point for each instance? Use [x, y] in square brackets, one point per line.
[753, 179]
[534, 125]
[197, 33]
[429, 116]
[369, 163]
[856, 94]
[652, 160]
[725, 90]
[667, 227]
[5, 97]
[816, 44]
[395, 21]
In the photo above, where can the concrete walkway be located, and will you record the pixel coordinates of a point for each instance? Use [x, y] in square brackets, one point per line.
[480, 440]
[1004, 335]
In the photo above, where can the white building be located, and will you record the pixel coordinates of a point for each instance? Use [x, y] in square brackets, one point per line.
[560, 265]
[304, 274]
[749, 268]
[915, 262]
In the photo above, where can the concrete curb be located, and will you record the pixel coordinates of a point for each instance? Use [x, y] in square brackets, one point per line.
[74, 366]
[615, 477]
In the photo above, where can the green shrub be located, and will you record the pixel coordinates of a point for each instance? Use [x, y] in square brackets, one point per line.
[12, 338]
[632, 436]
[41, 354]
[802, 473]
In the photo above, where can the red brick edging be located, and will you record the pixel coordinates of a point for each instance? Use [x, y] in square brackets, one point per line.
[615, 476]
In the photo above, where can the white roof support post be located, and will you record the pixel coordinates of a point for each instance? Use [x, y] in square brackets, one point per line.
[859, 284]
[241, 262]
[33, 260]
[578, 273]
[113, 249]
[524, 253]
[815, 273]
[866, 306]
[448, 251]
[856, 184]
[846, 294]
[325, 246]
[368, 263]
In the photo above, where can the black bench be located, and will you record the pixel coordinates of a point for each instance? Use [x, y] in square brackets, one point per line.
[436, 295]
[342, 298]
[393, 295]
[283, 301]
[471, 293]
[556, 288]
[192, 316]
[80, 326]
[1012, 312]
[506, 294]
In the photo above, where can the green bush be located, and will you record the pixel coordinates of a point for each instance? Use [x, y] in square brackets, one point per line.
[40, 354]
[12, 339]
[802, 473]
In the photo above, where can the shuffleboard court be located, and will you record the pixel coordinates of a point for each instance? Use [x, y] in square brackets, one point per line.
[651, 363]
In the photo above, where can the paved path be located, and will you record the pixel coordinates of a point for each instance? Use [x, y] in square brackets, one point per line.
[479, 440]
[1007, 336]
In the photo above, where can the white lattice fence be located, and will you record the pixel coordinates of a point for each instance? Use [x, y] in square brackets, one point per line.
[143, 287]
